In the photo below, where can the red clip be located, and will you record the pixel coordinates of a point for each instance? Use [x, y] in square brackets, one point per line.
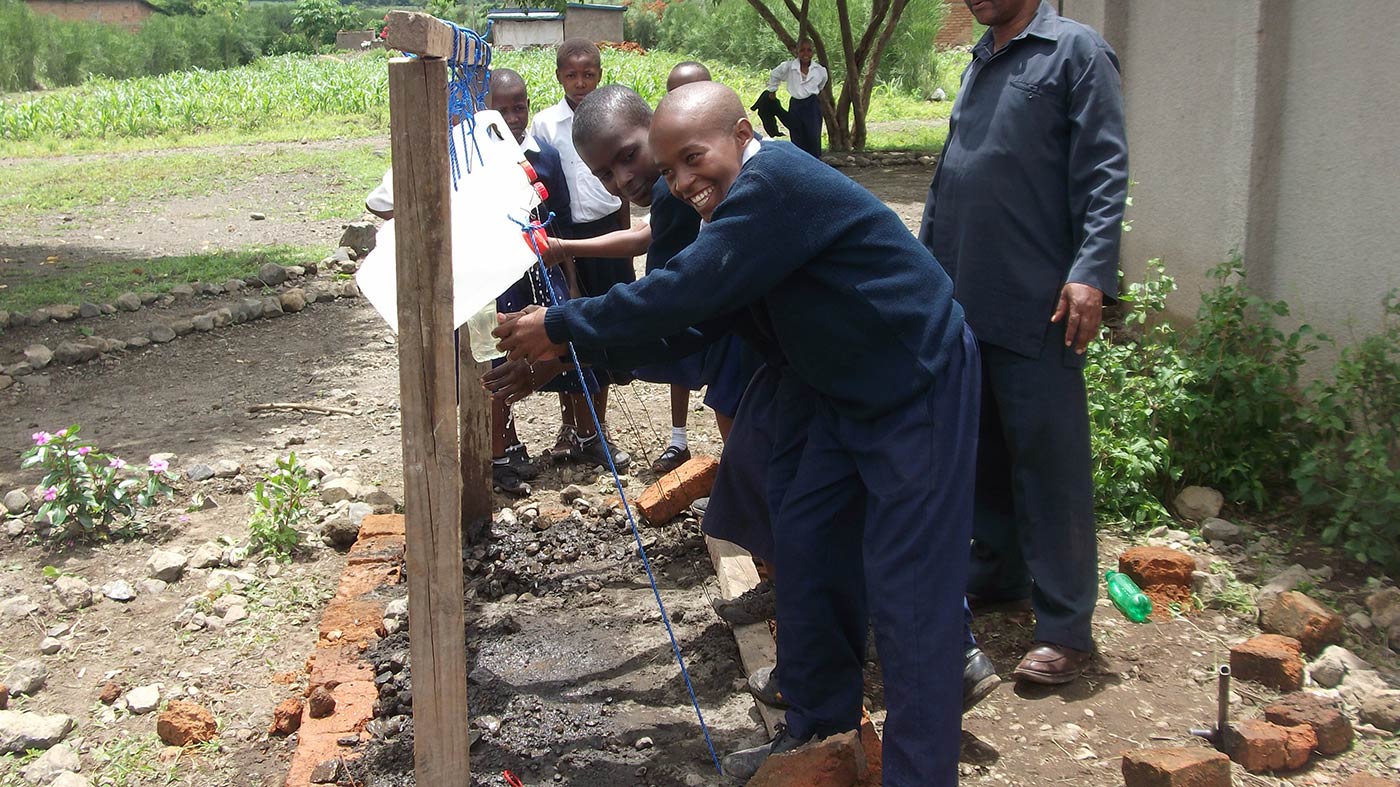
[541, 190]
[529, 171]
[536, 239]
[512, 779]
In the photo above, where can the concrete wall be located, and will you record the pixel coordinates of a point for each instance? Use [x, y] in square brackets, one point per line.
[593, 24]
[1263, 126]
[126, 13]
[513, 34]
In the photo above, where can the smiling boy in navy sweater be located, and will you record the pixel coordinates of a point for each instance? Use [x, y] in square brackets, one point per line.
[877, 408]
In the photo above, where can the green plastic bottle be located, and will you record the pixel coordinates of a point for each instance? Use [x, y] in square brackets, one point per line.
[1128, 597]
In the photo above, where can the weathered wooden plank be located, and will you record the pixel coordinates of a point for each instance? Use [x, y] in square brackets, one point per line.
[427, 36]
[737, 574]
[475, 405]
[428, 402]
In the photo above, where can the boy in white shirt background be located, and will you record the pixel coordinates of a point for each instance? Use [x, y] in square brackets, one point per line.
[804, 80]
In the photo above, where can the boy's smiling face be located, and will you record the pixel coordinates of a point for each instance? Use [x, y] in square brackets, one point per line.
[620, 158]
[579, 76]
[698, 163]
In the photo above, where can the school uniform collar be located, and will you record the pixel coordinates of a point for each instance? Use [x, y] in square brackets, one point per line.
[530, 145]
[751, 150]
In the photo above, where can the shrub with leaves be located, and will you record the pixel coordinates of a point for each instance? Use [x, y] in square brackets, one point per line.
[1351, 469]
[84, 492]
[1240, 432]
[279, 506]
[1137, 381]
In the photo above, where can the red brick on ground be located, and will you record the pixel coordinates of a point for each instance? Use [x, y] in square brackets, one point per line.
[835, 761]
[286, 717]
[184, 723]
[1333, 730]
[874, 753]
[675, 491]
[1367, 780]
[1157, 566]
[1270, 659]
[1194, 767]
[1262, 747]
[1296, 615]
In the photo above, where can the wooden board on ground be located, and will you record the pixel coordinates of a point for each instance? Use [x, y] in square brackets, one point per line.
[735, 570]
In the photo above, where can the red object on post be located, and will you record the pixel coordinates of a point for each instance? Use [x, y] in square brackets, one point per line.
[529, 171]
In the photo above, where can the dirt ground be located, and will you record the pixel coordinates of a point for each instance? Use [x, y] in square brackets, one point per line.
[571, 668]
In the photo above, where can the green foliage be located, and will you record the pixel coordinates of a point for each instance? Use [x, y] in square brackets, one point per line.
[469, 13]
[84, 492]
[1137, 380]
[1240, 432]
[319, 20]
[1351, 468]
[279, 506]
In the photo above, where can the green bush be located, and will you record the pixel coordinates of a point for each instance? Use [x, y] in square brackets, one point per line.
[320, 20]
[1240, 432]
[279, 507]
[1137, 380]
[1351, 469]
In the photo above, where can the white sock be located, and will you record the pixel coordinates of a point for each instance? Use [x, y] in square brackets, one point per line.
[678, 437]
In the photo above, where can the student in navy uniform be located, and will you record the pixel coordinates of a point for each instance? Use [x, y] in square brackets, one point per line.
[511, 465]
[804, 80]
[877, 408]
[579, 68]
[615, 127]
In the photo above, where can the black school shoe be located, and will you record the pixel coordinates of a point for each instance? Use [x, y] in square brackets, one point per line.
[506, 480]
[980, 678]
[670, 459]
[755, 605]
[763, 684]
[591, 452]
[741, 765]
[519, 459]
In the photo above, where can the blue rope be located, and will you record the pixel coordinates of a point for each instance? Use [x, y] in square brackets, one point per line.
[617, 481]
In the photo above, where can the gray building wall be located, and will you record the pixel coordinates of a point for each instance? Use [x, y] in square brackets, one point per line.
[520, 33]
[1267, 127]
[593, 24]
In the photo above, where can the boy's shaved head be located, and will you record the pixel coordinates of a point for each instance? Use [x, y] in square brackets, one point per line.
[506, 79]
[609, 108]
[686, 73]
[706, 106]
[577, 47]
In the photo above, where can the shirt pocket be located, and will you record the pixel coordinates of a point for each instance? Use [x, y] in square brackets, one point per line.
[1046, 92]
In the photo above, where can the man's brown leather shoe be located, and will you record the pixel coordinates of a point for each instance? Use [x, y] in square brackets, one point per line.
[1052, 664]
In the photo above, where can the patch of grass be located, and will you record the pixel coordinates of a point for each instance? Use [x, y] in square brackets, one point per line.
[132, 760]
[1236, 596]
[103, 281]
[47, 186]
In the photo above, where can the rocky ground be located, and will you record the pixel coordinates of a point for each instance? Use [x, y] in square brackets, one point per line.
[572, 679]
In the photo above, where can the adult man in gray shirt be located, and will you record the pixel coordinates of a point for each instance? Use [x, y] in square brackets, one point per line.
[1025, 213]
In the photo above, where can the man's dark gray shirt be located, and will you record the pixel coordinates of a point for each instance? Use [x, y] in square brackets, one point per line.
[1030, 190]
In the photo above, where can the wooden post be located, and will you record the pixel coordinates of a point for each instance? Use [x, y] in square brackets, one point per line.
[428, 401]
[475, 405]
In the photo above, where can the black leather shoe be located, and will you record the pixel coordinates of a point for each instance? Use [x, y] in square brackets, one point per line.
[980, 678]
[763, 684]
[743, 764]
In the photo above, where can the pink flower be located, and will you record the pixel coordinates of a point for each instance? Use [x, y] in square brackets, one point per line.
[84, 450]
[159, 465]
[41, 438]
[116, 463]
[50, 494]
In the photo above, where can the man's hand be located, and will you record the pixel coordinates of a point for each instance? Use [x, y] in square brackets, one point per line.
[515, 380]
[523, 338]
[1083, 305]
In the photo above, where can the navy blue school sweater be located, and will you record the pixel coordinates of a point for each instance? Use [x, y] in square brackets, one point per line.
[550, 169]
[858, 308]
[674, 225]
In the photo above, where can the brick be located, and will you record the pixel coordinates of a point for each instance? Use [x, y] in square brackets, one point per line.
[675, 491]
[834, 761]
[874, 753]
[286, 717]
[1262, 747]
[1367, 780]
[1194, 767]
[1270, 659]
[1330, 725]
[1296, 615]
[1157, 566]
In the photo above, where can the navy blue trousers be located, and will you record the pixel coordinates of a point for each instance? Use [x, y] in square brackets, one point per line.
[901, 566]
[1033, 530]
[804, 122]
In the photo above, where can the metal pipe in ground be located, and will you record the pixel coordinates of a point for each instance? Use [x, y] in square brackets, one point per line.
[1220, 736]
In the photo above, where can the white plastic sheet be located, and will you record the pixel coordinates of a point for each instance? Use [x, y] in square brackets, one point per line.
[488, 250]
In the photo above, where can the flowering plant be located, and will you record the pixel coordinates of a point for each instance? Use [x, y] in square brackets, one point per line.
[84, 490]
